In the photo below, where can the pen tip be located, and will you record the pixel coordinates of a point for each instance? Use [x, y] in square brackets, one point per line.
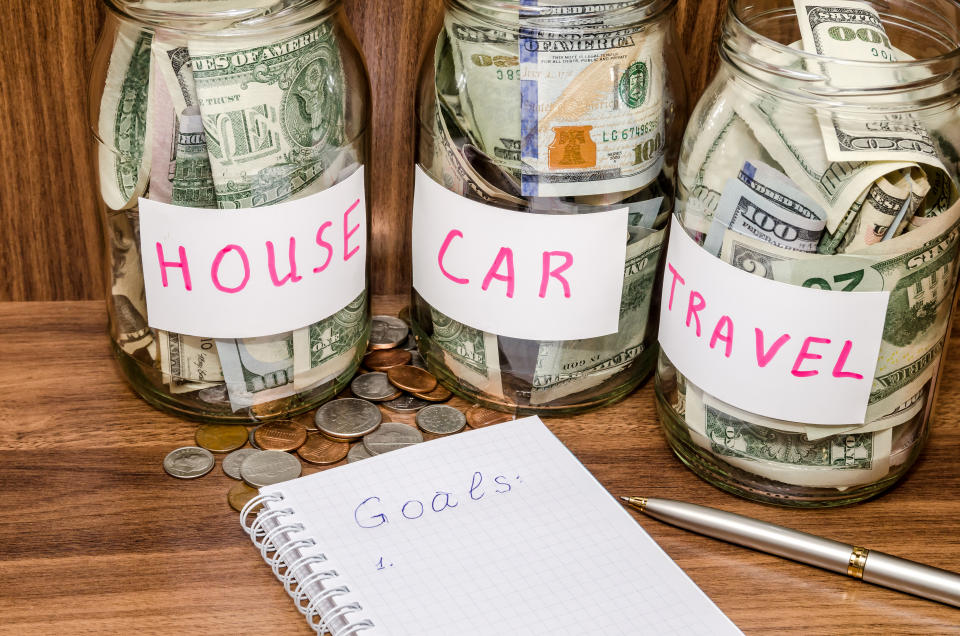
[622, 498]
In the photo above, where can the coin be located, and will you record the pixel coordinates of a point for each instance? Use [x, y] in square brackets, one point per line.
[439, 394]
[387, 332]
[251, 437]
[412, 379]
[416, 360]
[269, 467]
[231, 463]
[216, 394]
[358, 452]
[404, 314]
[374, 386]
[239, 495]
[411, 344]
[405, 404]
[391, 436]
[221, 438]
[281, 436]
[320, 450]
[478, 417]
[347, 419]
[383, 359]
[441, 419]
[188, 462]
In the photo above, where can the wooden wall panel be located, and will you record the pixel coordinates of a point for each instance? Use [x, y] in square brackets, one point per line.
[49, 233]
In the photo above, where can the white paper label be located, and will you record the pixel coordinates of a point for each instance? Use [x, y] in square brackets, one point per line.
[255, 271]
[778, 350]
[531, 276]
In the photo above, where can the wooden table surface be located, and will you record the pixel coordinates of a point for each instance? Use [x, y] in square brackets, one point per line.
[96, 538]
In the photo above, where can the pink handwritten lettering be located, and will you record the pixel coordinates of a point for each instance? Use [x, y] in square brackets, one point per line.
[215, 269]
[348, 232]
[721, 334]
[452, 234]
[806, 355]
[182, 264]
[504, 255]
[325, 245]
[555, 272]
[673, 287]
[272, 264]
[694, 305]
[763, 359]
[838, 371]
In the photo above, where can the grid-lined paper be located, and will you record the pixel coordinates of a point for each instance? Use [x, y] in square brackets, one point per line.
[537, 546]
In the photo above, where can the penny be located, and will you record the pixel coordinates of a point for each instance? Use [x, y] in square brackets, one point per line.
[239, 495]
[404, 314]
[478, 417]
[387, 332]
[374, 386]
[281, 436]
[439, 394]
[348, 419]
[221, 438]
[231, 463]
[441, 419]
[391, 436]
[320, 450]
[405, 404]
[358, 452]
[412, 379]
[383, 359]
[269, 467]
[188, 462]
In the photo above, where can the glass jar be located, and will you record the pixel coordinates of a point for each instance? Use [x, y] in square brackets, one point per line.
[596, 127]
[823, 156]
[200, 111]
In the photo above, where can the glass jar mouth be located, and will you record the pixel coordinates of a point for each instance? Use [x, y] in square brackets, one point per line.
[222, 16]
[744, 46]
[601, 14]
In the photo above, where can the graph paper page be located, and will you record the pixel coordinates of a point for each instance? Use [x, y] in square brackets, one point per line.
[495, 531]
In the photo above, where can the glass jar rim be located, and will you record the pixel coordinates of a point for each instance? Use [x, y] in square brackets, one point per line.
[739, 41]
[261, 16]
[551, 13]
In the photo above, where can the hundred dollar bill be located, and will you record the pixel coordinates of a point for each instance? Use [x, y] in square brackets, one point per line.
[188, 363]
[919, 270]
[755, 256]
[325, 349]
[792, 138]
[854, 31]
[273, 113]
[837, 461]
[567, 367]
[124, 122]
[591, 110]
[763, 203]
[887, 210]
[257, 370]
[473, 356]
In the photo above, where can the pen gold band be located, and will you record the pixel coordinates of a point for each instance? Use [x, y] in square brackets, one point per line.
[858, 559]
[641, 503]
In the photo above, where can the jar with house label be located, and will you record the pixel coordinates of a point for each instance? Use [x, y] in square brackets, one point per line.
[229, 146]
[811, 270]
[549, 131]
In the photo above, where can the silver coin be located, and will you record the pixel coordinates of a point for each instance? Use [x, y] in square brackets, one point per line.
[441, 419]
[188, 462]
[348, 418]
[416, 360]
[406, 404]
[388, 332]
[216, 394]
[390, 437]
[231, 463]
[269, 467]
[253, 442]
[374, 386]
[358, 452]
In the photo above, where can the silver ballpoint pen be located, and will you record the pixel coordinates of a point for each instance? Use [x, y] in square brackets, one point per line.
[854, 561]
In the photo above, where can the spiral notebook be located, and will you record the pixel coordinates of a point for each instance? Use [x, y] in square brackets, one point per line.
[494, 531]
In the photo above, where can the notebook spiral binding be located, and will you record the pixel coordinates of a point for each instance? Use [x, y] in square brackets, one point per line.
[282, 547]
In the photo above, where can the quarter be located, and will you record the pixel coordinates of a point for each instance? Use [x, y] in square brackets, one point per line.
[387, 332]
[231, 463]
[347, 419]
[269, 467]
[358, 452]
[405, 404]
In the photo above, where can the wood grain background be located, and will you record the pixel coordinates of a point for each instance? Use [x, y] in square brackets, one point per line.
[49, 231]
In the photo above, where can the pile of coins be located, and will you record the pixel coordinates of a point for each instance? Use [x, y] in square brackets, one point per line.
[393, 383]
